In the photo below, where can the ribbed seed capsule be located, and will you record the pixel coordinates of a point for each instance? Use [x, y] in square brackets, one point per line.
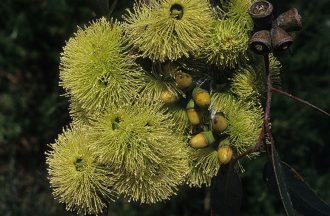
[260, 42]
[261, 13]
[202, 140]
[225, 154]
[201, 97]
[289, 20]
[219, 123]
[281, 40]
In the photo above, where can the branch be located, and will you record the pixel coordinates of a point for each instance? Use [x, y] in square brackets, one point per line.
[266, 124]
[268, 100]
[299, 100]
[254, 148]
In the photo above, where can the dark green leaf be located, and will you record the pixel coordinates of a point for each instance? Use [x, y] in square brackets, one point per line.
[303, 197]
[281, 182]
[226, 192]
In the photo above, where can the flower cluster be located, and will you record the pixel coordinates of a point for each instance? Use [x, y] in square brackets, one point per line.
[162, 99]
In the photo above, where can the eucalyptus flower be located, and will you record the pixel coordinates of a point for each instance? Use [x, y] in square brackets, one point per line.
[134, 135]
[161, 180]
[79, 115]
[238, 10]
[138, 141]
[96, 70]
[76, 177]
[245, 120]
[204, 164]
[228, 45]
[169, 29]
[156, 84]
[248, 84]
[180, 117]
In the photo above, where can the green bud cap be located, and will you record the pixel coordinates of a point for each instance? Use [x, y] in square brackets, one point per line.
[209, 137]
[191, 104]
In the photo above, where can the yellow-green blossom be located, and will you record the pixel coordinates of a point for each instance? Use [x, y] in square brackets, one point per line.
[76, 177]
[169, 29]
[228, 45]
[96, 70]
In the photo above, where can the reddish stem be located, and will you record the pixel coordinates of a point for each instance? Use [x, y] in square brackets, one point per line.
[266, 124]
[299, 100]
[268, 100]
[254, 148]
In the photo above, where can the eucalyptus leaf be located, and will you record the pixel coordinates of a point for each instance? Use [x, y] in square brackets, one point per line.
[226, 192]
[304, 199]
[281, 182]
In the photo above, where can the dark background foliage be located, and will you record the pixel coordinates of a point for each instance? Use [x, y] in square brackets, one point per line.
[32, 112]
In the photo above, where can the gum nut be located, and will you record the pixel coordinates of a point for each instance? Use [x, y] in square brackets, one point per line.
[219, 123]
[198, 141]
[168, 97]
[193, 116]
[225, 154]
[183, 80]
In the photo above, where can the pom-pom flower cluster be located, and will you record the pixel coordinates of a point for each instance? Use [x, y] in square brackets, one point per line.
[162, 99]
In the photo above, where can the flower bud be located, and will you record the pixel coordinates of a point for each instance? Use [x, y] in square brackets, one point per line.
[219, 123]
[183, 80]
[202, 140]
[193, 115]
[225, 154]
[168, 96]
[201, 97]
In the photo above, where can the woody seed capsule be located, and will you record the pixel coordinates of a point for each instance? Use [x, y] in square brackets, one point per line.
[262, 13]
[289, 20]
[281, 40]
[260, 42]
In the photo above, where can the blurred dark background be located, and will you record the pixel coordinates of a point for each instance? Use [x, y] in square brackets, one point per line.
[33, 112]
